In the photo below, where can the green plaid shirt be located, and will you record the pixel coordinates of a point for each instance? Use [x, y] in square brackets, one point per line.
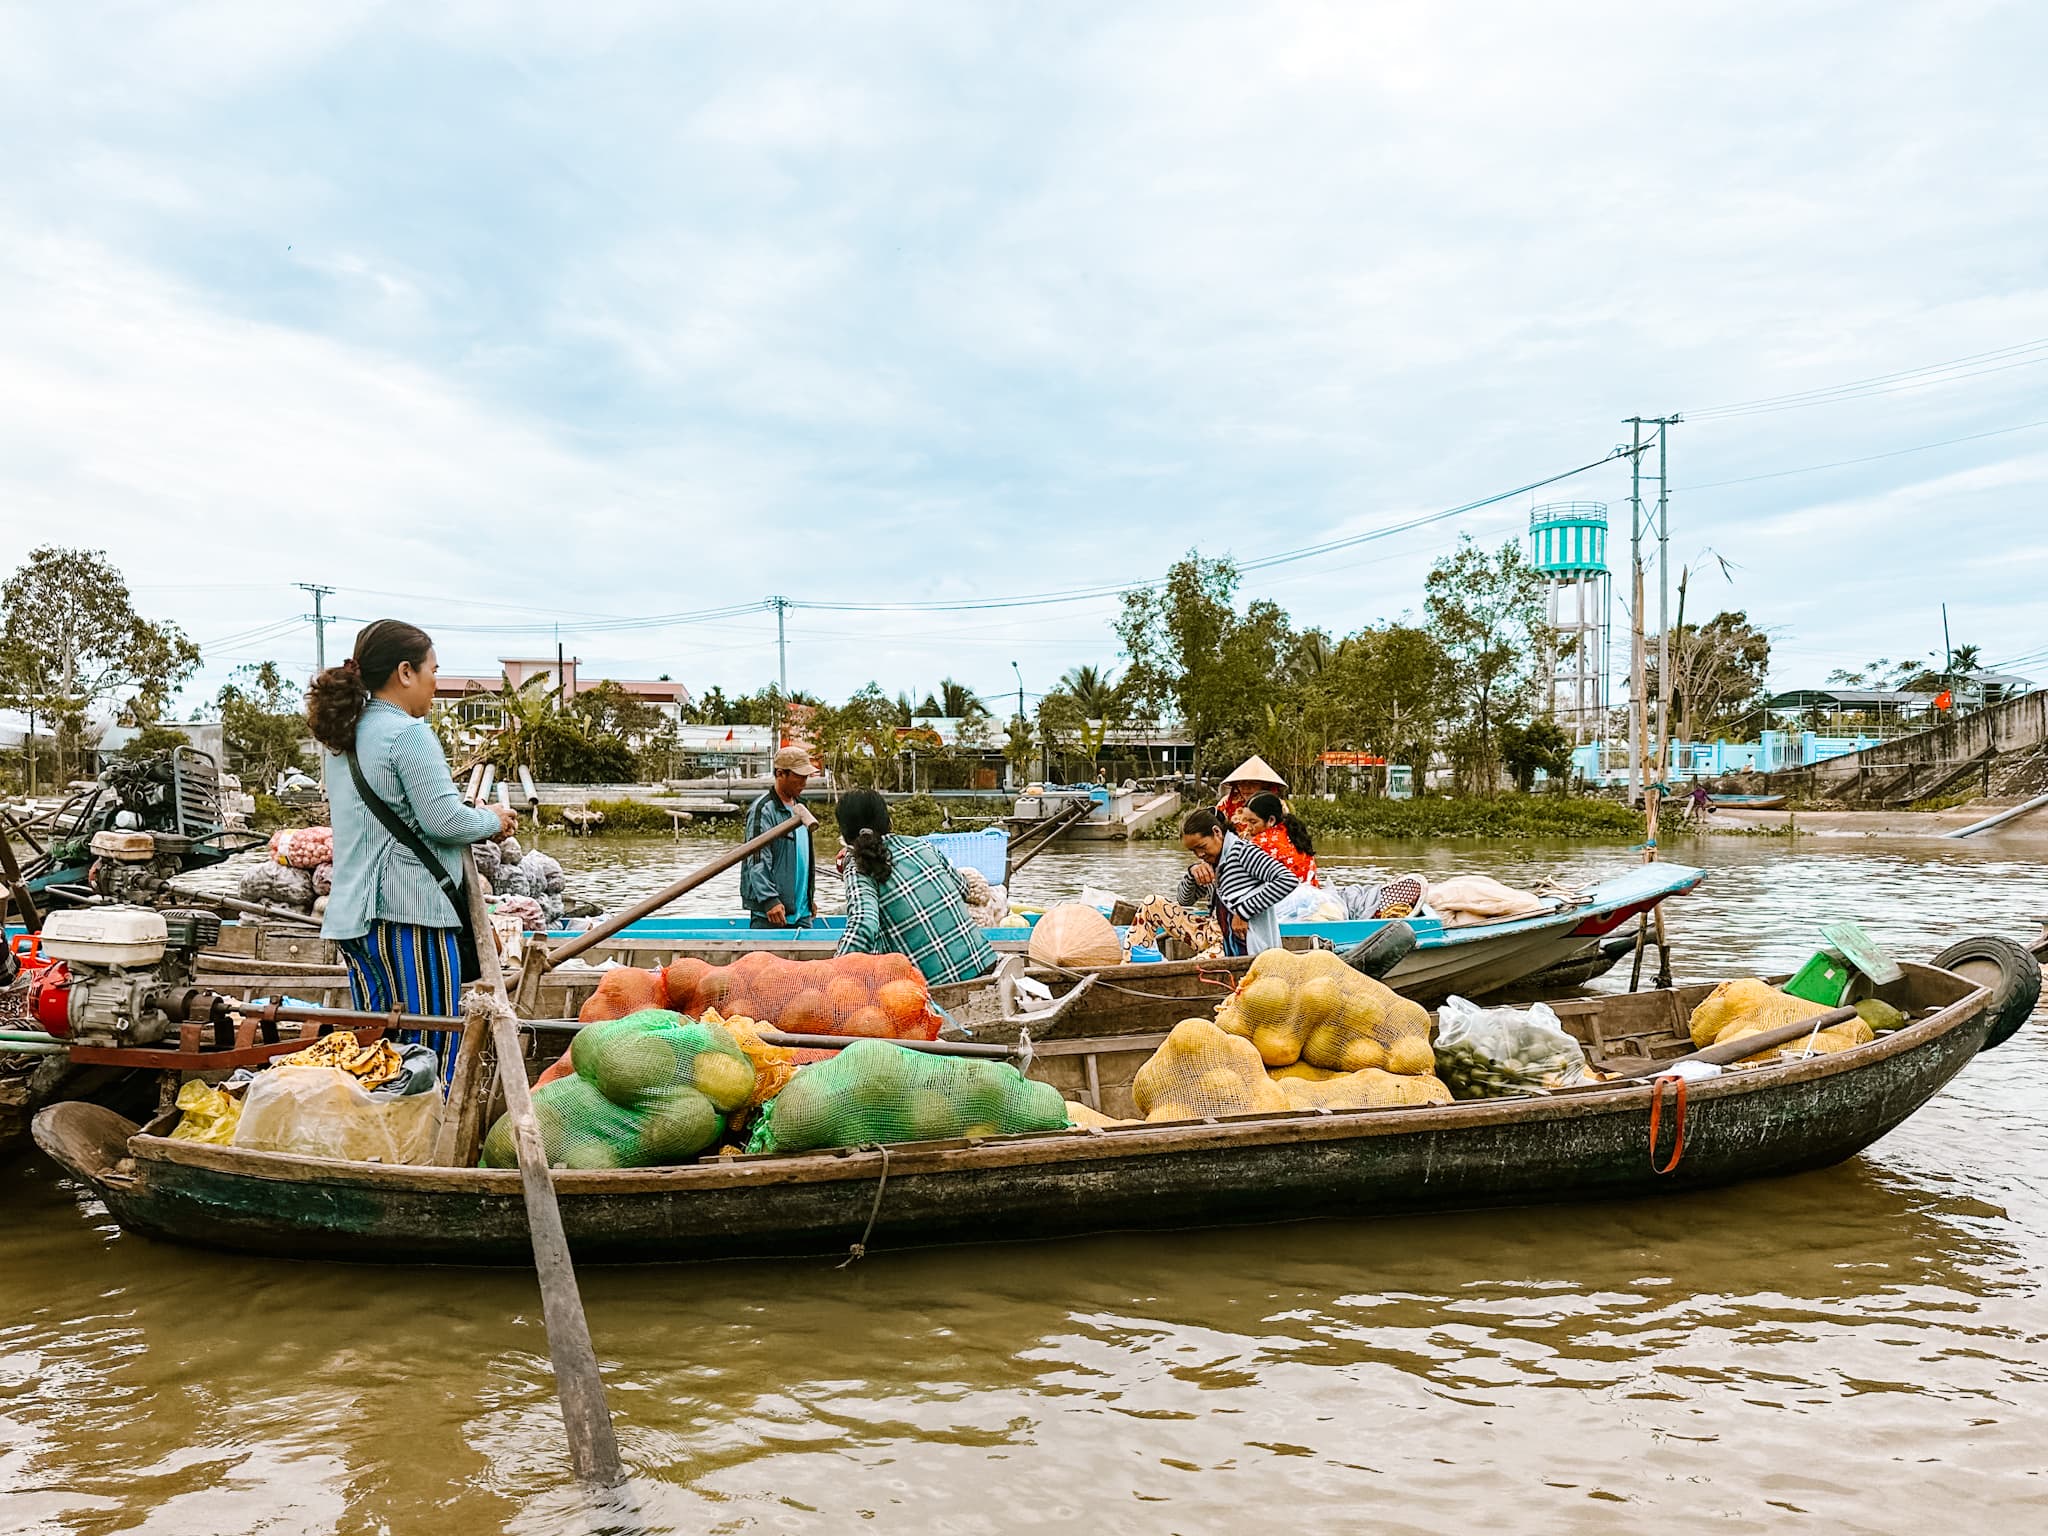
[919, 911]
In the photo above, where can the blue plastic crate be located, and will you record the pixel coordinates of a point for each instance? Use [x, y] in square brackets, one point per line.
[987, 851]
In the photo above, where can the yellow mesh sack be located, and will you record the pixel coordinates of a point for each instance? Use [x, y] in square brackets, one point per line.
[1201, 1071]
[1750, 1002]
[1308, 1005]
[1301, 1071]
[1837, 1037]
[1079, 1114]
[774, 1065]
[1367, 1089]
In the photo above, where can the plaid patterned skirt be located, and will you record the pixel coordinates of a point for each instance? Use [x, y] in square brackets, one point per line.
[412, 967]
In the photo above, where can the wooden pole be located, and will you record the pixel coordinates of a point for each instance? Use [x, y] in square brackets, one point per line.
[799, 816]
[593, 1446]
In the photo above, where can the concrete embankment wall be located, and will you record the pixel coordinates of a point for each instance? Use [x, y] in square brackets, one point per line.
[1926, 762]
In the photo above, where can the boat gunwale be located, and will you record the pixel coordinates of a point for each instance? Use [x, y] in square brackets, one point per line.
[1109, 1143]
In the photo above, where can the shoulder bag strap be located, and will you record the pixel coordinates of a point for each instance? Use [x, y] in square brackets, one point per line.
[395, 824]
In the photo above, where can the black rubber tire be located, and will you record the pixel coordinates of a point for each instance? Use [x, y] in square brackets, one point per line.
[1379, 954]
[2008, 969]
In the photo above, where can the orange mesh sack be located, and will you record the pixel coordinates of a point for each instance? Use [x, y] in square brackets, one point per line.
[621, 990]
[880, 995]
[1202, 1071]
[1308, 1005]
[1367, 1089]
[1075, 934]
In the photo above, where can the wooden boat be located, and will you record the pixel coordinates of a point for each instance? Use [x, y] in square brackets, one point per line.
[1593, 1142]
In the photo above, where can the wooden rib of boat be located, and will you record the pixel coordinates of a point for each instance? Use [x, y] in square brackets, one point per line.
[1572, 1145]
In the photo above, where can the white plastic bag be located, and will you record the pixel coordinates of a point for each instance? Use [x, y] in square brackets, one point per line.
[1309, 904]
[1526, 1046]
[324, 1112]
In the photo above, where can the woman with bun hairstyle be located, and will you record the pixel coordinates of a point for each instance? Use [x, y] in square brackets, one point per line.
[398, 909]
[904, 898]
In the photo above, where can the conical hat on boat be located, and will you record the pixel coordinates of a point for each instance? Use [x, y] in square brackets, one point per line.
[1254, 770]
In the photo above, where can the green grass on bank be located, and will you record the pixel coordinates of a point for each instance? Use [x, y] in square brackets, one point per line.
[1497, 816]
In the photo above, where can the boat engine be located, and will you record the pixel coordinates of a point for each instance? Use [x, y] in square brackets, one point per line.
[121, 975]
[132, 865]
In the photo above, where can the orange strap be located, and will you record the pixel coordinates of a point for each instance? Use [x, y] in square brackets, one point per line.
[1677, 1119]
[1221, 979]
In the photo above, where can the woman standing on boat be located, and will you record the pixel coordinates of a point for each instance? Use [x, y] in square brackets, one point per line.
[904, 898]
[398, 909]
[1244, 883]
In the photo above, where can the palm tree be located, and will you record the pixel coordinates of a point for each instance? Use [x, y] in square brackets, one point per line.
[957, 701]
[1100, 698]
[1965, 659]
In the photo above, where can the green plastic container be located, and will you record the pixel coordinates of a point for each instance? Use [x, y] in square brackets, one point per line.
[1824, 979]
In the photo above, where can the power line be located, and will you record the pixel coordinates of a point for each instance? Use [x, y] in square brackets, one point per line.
[2022, 355]
[1868, 458]
[1260, 563]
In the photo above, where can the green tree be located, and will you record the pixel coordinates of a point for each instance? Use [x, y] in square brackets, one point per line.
[1539, 744]
[1717, 674]
[1486, 612]
[70, 639]
[1191, 652]
[605, 709]
[263, 721]
[857, 739]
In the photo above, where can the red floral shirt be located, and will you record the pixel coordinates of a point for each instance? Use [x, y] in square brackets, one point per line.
[1276, 842]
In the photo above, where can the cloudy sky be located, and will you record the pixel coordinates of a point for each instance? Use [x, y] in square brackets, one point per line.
[609, 316]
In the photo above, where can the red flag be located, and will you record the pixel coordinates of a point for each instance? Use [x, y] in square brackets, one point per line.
[1944, 700]
[728, 733]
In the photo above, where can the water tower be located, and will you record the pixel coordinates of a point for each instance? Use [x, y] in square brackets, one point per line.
[1568, 545]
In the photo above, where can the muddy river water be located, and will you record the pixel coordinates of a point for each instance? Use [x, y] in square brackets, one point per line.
[1860, 1349]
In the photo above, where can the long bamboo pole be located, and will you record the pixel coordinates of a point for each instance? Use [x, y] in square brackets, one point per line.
[593, 1446]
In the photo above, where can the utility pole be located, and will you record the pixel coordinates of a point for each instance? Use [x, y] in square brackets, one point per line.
[1636, 679]
[780, 605]
[320, 621]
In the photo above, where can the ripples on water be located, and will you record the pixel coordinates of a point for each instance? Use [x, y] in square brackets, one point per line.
[1859, 1349]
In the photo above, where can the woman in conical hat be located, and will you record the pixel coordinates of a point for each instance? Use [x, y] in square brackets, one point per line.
[1253, 776]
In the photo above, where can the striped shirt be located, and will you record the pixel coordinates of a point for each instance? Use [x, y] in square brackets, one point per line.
[1248, 880]
[919, 911]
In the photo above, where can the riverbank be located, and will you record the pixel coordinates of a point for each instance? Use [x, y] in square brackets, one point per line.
[2028, 830]
[1515, 817]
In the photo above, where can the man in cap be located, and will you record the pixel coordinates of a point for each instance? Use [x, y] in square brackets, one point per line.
[777, 883]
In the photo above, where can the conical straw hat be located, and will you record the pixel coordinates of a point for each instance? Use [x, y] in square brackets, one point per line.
[1255, 770]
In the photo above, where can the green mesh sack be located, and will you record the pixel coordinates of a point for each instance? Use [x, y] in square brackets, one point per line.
[654, 1051]
[876, 1091]
[648, 1089]
[579, 1128]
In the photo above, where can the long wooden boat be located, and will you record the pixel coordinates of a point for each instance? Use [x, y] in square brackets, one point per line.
[1580, 1144]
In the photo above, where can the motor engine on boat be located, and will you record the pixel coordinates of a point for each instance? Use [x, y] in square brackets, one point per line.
[119, 975]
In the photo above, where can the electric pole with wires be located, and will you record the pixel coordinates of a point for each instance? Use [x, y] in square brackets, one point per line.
[319, 621]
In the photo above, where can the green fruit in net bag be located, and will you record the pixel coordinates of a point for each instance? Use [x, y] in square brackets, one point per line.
[573, 1117]
[875, 1091]
[675, 1126]
[726, 1082]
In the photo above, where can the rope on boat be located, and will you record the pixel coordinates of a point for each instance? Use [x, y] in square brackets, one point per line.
[1677, 1120]
[860, 1249]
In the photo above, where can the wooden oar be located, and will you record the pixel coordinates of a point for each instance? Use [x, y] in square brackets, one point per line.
[799, 816]
[1748, 1045]
[593, 1447]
